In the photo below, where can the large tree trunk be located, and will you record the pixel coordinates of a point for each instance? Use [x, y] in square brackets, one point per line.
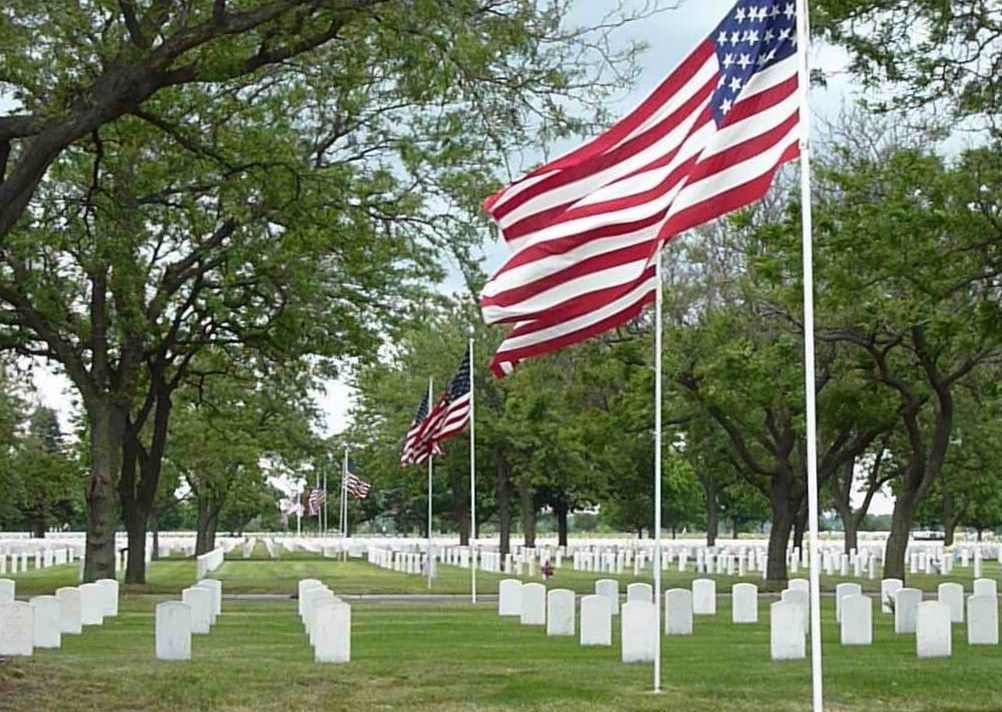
[712, 514]
[560, 509]
[784, 512]
[38, 527]
[897, 542]
[107, 426]
[528, 511]
[205, 528]
[502, 487]
[137, 495]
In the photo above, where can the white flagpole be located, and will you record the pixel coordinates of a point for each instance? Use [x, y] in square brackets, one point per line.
[803, 47]
[473, 483]
[657, 472]
[323, 524]
[341, 508]
[431, 460]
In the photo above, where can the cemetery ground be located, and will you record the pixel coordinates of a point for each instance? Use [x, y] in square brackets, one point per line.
[457, 657]
[434, 655]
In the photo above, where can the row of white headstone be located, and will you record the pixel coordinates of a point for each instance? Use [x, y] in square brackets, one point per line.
[208, 562]
[194, 614]
[327, 620]
[407, 562]
[42, 621]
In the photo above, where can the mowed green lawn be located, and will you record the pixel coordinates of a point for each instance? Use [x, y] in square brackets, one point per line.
[357, 577]
[443, 657]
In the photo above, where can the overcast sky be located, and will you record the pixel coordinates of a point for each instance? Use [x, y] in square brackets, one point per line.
[669, 36]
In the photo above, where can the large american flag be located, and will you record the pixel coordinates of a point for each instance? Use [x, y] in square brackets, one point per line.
[452, 412]
[585, 229]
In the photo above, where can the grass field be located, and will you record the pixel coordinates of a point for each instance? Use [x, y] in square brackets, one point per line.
[460, 657]
[358, 577]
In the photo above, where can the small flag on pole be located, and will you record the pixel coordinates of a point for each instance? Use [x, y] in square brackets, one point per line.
[315, 502]
[584, 229]
[356, 487]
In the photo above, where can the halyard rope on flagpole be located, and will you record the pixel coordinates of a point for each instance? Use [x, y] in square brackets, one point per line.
[803, 47]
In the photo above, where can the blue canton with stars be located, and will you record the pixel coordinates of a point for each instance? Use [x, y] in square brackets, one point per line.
[755, 35]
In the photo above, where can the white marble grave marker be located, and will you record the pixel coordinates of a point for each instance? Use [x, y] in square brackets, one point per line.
[933, 631]
[744, 603]
[986, 587]
[91, 604]
[69, 606]
[173, 631]
[596, 620]
[48, 621]
[678, 611]
[640, 592]
[610, 589]
[786, 631]
[983, 620]
[906, 604]
[560, 612]
[109, 597]
[639, 631]
[888, 589]
[510, 597]
[533, 604]
[952, 594]
[704, 597]
[856, 624]
[332, 637]
[17, 628]
[200, 601]
[841, 591]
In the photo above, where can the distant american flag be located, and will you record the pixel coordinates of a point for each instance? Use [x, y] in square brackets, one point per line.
[315, 502]
[357, 488]
[585, 228]
[452, 411]
[417, 449]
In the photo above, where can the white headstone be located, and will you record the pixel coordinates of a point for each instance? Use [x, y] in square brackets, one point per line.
[6, 590]
[91, 604]
[786, 631]
[986, 587]
[510, 597]
[109, 597]
[802, 600]
[704, 597]
[216, 587]
[610, 589]
[69, 606]
[173, 631]
[639, 631]
[744, 603]
[906, 604]
[888, 588]
[800, 584]
[596, 620]
[841, 591]
[678, 611]
[533, 604]
[200, 601]
[560, 612]
[48, 621]
[983, 620]
[952, 594]
[17, 628]
[857, 620]
[933, 631]
[640, 592]
[303, 586]
[332, 637]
